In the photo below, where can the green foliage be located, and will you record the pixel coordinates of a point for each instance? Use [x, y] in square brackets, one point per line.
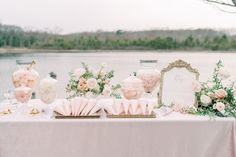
[13, 36]
[209, 89]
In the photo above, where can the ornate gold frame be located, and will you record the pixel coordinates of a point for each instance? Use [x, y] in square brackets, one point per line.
[177, 64]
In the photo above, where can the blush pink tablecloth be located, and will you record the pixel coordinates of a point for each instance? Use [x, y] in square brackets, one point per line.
[173, 136]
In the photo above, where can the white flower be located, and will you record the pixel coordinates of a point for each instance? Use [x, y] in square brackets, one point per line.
[223, 73]
[104, 65]
[89, 94]
[102, 73]
[91, 83]
[219, 106]
[206, 100]
[79, 72]
[99, 80]
[106, 91]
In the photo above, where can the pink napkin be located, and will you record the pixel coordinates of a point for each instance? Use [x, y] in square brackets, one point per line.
[125, 104]
[133, 107]
[84, 102]
[91, 103]
[117, 108]
[64, 108]
[108, 105]
[151, 104]
[143, 103]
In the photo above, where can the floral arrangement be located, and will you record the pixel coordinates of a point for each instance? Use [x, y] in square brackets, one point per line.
[85, 81]
[216, 97]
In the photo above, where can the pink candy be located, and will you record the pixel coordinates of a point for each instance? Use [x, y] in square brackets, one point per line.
[150, 78]
[23, 94]
[132, 88]
[25, 77]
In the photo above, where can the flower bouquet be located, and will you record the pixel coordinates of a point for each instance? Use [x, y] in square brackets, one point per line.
[85, 81]
[216, 97]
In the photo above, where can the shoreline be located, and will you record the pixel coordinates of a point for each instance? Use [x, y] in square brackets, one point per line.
[27, 50]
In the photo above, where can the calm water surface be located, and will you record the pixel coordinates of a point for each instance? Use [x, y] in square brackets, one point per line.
[124, 63]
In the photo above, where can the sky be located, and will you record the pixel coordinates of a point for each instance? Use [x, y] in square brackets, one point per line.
[67, 16]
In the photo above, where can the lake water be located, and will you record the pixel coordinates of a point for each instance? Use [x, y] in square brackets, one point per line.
[124, 63]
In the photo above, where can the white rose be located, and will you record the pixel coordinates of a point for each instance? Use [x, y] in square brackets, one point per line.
[92, 83]
[219, 106]
[79, 72]
[206, 100]
[223, 73]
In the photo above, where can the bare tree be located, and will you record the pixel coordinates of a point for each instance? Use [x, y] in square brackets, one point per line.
[229, 3]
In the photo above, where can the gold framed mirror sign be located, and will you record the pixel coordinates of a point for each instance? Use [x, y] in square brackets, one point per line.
[176, 84]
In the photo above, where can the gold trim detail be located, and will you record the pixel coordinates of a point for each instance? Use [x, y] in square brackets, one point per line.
[177, 64]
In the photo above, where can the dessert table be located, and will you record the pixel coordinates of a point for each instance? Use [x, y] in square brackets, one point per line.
[174, 135]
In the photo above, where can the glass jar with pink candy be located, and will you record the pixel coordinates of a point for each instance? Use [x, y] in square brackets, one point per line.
[24, 80]
[150, 76]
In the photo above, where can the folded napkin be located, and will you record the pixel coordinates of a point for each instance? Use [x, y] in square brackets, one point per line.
[75, 105]
[64, 108]
[96, 108]
[125, 104]
[133, 107]
[91, 103]
[108, 106]
[143, 106]
[83, 104]
[151, 104]
[117, 106]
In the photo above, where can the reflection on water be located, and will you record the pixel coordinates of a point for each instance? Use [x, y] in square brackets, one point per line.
[124, 63]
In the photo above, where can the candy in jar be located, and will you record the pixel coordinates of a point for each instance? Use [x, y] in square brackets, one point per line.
[48, 89]
[23, 94]
[150, 78]
[132, 88]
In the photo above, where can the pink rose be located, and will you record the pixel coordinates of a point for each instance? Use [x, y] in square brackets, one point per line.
[92, 83]
[196, 86]
[219, 106]
[177, 107]
[220, 93]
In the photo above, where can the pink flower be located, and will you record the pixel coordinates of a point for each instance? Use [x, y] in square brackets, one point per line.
[196, 86]
[92, 83]
[177, 107]
[219, 106]
[220, 93]
[223, 73]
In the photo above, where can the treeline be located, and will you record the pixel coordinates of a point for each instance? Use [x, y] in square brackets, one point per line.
[13, 36]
